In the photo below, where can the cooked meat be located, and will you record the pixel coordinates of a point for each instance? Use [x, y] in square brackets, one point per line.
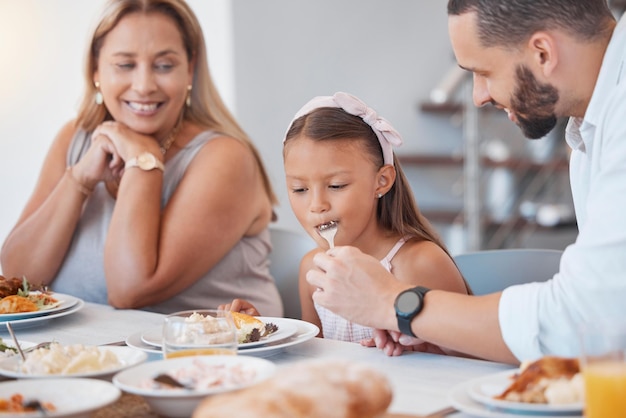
[9, 287]
[549, 367]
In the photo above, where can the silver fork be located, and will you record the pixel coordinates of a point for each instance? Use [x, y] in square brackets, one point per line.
[328, 232]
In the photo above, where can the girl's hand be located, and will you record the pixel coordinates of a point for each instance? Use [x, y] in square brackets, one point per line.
[240, 305]
[394, 343]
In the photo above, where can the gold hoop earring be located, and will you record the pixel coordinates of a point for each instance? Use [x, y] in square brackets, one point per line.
[188, 99]
[98, 97]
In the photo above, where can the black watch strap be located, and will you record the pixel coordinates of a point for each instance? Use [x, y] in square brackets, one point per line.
[406, 314]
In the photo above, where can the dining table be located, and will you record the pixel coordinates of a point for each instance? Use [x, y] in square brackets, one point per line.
[421, 382]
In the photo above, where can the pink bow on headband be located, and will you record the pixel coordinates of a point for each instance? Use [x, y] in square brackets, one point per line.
[387, 135]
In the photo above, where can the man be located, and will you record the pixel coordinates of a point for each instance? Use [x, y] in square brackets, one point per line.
[537, 60]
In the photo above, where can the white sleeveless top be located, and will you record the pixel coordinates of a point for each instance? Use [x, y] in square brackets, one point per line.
[336, 327]
[242, 273]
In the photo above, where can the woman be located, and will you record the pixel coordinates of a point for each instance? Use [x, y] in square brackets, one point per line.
[153, 197]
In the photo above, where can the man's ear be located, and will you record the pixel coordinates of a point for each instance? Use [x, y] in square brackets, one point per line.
[385, 179]
[544, 49]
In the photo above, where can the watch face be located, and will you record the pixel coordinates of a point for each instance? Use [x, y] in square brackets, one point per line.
[146, 161]
[408, 302]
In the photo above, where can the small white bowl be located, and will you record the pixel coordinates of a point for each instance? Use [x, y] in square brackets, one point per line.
[182, 402]
[72, 397]
[10, 367]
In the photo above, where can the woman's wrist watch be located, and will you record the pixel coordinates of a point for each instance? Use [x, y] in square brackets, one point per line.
[408, 304]
[145, 161]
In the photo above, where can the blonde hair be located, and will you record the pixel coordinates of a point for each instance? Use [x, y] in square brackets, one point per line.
[206, 109]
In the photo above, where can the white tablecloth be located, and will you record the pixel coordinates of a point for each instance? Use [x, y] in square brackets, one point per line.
[421, 382]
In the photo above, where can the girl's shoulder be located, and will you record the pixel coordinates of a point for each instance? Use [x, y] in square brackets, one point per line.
[428, 263]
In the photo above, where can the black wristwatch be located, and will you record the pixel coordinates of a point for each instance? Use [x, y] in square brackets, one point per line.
[408, 304]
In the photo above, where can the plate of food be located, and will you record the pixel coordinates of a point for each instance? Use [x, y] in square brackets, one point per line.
[8, 349]
[304, 332]
[76, 360]
[252, 331]
[20, 300]
[38, 320]
[202, 376]
[550, 385]
[75, 397]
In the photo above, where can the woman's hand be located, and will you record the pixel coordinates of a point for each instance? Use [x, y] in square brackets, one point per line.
[240, 305]
[127, 142]
[101, 162]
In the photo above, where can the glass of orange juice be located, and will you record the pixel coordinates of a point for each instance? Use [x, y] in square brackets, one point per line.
[199, 332]
[603, 363]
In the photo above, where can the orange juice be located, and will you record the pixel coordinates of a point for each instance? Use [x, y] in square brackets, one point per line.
[605, 389]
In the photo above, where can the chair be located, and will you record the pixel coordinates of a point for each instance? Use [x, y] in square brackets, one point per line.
[490, 271]
[288, 249]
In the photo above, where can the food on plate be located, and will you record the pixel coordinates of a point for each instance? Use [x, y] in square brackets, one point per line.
[250, 328]
[549, 380]
[17, 403]
[313, 388]
[6, 350]
[60, 359]
[201, 376]
[17, 304]
[10, 286]
[18, 295]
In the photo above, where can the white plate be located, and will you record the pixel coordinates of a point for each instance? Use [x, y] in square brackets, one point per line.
[286, 329]
[71, 397]
[23, 344]
[127, 356]
[65, 302]
[29, 322]
[460, 399]
[182, 402]
[485, 388]
[305, 331]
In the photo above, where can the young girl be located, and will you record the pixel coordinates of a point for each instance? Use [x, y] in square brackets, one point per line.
[341, 172]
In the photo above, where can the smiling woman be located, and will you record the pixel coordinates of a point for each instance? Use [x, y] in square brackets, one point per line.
[136, 222]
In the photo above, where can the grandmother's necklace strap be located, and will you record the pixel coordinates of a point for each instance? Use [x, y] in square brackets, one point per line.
[171, 138]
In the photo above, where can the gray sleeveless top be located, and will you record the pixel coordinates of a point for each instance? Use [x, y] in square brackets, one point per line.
[242, 273]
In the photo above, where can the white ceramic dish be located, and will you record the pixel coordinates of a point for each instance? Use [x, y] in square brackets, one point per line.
[305, 331]
[460, 399]
[182, 402]
[39, 320]
[286, 329]
[64, 302]
[485, 388]
[23, 344]
[127, 356]
[75, 398]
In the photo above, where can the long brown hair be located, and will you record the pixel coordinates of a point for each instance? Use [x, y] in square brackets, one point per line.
[397, 210]
[206, 109]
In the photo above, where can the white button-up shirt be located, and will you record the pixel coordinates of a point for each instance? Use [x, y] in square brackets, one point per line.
[545, 318]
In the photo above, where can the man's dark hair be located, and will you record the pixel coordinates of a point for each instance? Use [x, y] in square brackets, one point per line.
[509, 23]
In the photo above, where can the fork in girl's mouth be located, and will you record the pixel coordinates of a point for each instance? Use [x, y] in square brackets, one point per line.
[328, 232]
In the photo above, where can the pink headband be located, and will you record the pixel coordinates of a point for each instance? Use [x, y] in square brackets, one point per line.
[387, 135]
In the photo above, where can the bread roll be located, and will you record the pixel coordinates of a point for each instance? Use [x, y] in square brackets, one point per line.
[310, 389]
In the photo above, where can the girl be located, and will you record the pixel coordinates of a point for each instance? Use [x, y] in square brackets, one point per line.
[341, 172]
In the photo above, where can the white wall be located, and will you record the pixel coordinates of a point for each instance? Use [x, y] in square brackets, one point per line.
[42, 44]
[268, 58]
[389, 53]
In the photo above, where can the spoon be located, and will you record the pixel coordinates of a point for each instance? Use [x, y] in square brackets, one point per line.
[17, 344]
[328, 232]
[169, 380]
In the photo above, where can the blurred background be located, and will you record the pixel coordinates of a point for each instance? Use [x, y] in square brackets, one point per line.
[479, 181]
